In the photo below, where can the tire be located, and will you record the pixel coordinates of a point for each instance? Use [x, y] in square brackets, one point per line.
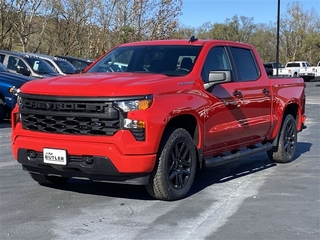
[174, 173]
[48, 180]
[287, 142]
[2, 110]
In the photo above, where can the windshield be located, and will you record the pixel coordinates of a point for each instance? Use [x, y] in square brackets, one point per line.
[169, 60]
[39, 66]
[65, 66]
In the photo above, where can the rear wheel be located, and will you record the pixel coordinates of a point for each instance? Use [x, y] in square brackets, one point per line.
[174, 173]
[47, 180]
[287, 142]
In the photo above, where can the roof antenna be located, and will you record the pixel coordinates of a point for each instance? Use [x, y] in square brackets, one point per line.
[193, 39]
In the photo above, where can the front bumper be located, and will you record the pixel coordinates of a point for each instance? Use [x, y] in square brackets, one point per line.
[93, 160]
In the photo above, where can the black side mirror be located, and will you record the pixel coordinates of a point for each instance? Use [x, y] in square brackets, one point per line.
[23, 71]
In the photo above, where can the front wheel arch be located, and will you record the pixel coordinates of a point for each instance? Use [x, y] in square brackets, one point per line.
[176, 166]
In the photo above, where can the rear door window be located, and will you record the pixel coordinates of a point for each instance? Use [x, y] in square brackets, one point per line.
[245, 63]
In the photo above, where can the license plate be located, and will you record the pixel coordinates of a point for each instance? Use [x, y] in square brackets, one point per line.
[55, 156]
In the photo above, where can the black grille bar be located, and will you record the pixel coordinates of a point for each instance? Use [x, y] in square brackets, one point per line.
[83, 116]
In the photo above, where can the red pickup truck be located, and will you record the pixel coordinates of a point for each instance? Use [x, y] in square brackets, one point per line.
[152, 113]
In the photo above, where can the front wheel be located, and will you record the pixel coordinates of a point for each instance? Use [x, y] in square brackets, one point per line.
[175, 170]
[284, 151]
[48, 180]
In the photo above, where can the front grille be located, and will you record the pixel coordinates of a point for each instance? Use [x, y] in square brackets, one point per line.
[69, 115]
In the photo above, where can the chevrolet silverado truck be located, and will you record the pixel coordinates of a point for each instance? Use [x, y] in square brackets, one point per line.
[172, 108]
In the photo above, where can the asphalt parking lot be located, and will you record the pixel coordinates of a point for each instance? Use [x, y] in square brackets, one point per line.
[253, 198]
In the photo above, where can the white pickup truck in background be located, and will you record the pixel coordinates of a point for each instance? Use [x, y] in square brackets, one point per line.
[298, 69]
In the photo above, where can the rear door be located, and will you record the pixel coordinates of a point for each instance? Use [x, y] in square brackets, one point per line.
[255, 94]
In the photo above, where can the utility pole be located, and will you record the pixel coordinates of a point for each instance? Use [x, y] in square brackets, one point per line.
[278, 36]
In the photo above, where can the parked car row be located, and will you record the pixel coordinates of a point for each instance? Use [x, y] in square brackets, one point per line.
[16, 68]
[41, 65]
[26, 64]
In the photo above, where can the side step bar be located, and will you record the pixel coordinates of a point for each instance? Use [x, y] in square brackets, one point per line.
[235, 155]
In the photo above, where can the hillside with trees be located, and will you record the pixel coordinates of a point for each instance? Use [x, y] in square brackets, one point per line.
[88, 28]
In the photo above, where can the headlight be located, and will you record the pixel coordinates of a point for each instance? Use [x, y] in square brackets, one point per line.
[135, 104]
[14, 90]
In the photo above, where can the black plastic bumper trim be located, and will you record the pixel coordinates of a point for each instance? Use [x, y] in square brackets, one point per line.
[97, 169]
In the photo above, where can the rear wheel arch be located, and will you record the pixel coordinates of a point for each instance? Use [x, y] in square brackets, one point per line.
[284, 146]
[292, 109]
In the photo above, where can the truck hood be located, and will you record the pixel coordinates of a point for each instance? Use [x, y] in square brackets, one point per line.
[94, 84]
[13, 79]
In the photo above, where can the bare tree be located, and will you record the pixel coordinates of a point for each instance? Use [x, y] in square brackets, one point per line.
[165, 18]
[23, 24]
[70, 26]
[296, 25]
[7, 13]
[135, 20]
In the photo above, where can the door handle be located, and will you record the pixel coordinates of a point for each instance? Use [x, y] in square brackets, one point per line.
[237, 93]
[266, 91]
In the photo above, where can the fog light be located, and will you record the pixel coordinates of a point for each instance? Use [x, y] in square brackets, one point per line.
[31, 155]
[128, 123]
[88, 160]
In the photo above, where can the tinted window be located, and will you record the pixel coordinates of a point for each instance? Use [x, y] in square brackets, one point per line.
[79, 64]
[2, 68]
[51, 65]
[169, 60]
[293, 65]
[39, 66]
[2, 58]
[216, 60]
[65, 66]
[245, 64]
[12, 63]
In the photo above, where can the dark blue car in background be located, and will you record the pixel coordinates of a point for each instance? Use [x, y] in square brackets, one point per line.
[9, 80]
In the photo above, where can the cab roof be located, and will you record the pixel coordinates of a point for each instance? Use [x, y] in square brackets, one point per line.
[195, 42]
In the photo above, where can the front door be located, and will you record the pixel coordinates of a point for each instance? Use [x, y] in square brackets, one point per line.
[223, 118]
